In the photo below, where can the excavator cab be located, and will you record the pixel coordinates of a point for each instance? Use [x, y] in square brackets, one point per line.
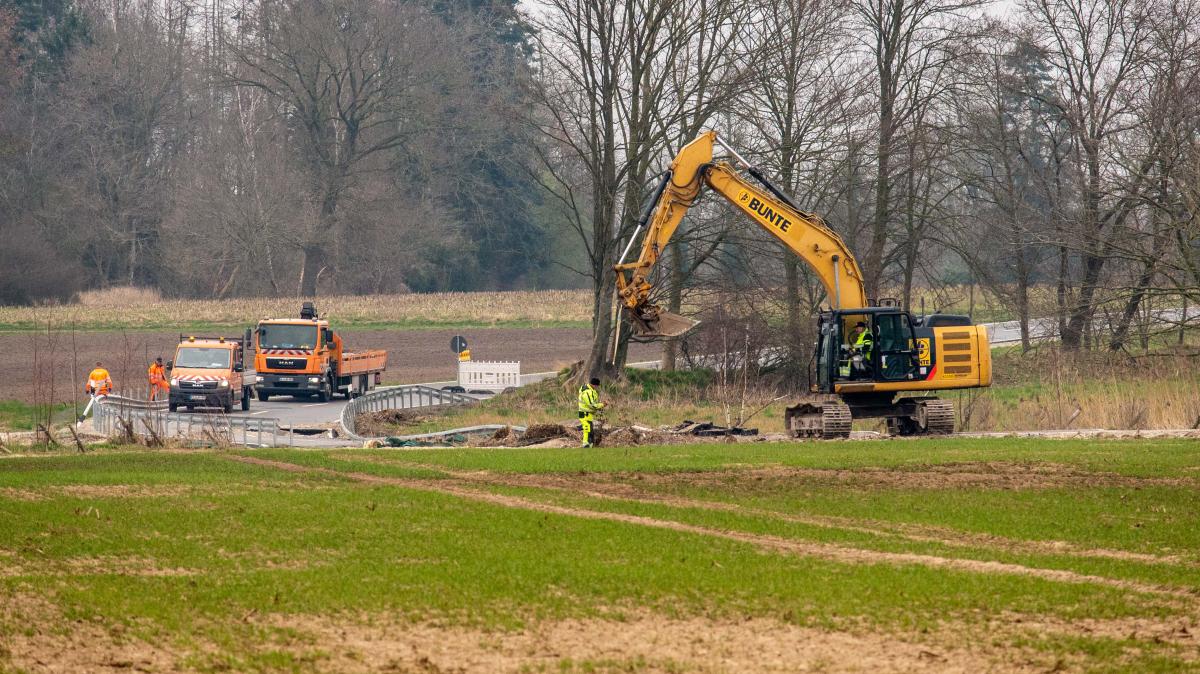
[892, 354]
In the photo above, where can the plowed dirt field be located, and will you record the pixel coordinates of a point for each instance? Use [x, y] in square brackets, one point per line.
[36, 364]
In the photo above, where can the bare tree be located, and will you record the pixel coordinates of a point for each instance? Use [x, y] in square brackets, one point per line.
[620, 79]
[911, 42]
[353, 77]
[1097, 49]
[1012, 149]
[803, 109]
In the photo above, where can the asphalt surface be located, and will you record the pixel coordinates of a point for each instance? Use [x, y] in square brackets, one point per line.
[295, 412]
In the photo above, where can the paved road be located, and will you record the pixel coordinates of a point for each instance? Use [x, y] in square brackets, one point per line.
[296, 412]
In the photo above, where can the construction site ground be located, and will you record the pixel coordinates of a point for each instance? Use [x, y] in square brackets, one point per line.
[949, 555]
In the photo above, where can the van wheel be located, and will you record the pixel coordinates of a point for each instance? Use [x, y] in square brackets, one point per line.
[245, 398]
[263, 396]
[227, 406]
[172, 407]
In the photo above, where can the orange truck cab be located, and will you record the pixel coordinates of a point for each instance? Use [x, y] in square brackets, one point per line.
[304, 357]
[208, 372]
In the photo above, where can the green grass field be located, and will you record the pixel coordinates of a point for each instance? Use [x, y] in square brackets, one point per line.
[20, 416]
[963, 555]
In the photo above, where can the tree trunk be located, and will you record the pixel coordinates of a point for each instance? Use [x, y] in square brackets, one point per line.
[795, 358]
[873, 271]
[1093, 263]
[674, 304]
[1023, 300]
[314, 262]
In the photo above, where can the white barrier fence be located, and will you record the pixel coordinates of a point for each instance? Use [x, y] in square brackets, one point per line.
[490, 375]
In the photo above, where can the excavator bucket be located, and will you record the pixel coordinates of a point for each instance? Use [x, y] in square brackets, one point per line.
[659, 324]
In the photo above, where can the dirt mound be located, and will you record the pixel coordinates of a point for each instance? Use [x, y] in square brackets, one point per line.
[387, 422]
[543, 432]
[503, 437]
[622, 436]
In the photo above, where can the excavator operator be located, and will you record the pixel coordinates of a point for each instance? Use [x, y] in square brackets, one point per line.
[589, 405]
[862, 344]
[99, 382]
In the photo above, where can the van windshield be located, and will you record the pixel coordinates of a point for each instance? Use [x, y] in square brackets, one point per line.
[282, 336]
[201, 357]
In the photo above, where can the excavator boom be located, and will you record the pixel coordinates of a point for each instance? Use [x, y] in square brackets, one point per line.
[804, 233]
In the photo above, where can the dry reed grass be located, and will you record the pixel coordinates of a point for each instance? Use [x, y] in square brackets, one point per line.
[1049, 390]
[119, 297]
[139, 308]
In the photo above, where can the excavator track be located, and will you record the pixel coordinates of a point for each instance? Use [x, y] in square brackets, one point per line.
[939, 417]
[926, 416]
[819, 420]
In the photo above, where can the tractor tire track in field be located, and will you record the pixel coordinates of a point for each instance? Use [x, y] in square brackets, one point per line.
[824, 551]
[615, 490]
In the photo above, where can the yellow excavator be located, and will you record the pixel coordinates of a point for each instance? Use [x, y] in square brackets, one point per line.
[881, 375]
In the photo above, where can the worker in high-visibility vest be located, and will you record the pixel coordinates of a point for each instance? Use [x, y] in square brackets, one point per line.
[589, 405]
[157, 375]
[99, 383]
[863, 343]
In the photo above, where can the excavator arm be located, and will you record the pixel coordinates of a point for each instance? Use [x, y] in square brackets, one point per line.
[804, 233]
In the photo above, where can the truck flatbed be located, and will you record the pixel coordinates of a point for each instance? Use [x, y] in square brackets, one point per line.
[362, 362]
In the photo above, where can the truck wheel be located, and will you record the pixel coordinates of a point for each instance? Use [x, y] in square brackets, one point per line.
[263, 396]
[245, 398]
[325, 393]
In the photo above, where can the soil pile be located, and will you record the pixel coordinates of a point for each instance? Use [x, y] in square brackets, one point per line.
[542, 432]
[387, 422]
[503, 437]
[622, 436]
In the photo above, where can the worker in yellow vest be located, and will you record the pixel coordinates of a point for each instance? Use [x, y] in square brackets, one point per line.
[589, 405]
[863, 343]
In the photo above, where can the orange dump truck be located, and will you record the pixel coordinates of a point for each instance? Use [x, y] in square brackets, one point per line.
[304, 357]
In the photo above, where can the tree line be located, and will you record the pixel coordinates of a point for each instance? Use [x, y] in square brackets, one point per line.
[1046, 144]
[265, 148]
[1047, 150]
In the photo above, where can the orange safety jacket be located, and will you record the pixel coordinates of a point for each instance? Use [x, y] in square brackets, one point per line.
[99, 382]
[157, 375]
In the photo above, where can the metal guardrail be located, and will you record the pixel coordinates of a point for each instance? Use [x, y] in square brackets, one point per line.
[408, 397]
[116, 414]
